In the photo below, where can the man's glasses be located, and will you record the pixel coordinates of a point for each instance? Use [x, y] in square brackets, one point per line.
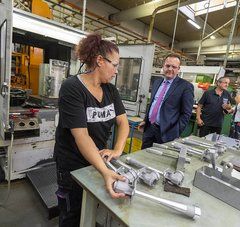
[114, 65]
[173, 66]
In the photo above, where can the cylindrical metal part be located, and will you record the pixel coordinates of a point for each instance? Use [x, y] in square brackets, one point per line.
[189, 149]
[138, 164]
[190, 211]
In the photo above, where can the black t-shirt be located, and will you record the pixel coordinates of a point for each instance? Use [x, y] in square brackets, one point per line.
[78, 108]
[212, 111]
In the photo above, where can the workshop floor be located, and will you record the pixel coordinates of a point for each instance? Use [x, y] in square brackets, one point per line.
[24, 207]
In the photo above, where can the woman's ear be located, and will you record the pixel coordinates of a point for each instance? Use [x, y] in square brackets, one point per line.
[99, 60]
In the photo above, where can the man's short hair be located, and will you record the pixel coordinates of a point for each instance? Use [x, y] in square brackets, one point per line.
[173, 55]
[221, 79]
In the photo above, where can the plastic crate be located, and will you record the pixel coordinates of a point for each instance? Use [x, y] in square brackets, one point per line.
[136, 145]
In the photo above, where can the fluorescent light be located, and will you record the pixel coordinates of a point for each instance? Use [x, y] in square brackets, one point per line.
[212, 37]
[194, 23]
[46, 28]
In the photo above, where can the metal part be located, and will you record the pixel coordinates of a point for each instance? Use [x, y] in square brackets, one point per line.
[189, 149]
[157, 151]
[190, 211]
[147, 176]
[220, 146]
[219, 184]
[175, 177]
[206, 154]
[128, 187]
[182, 159]
[227, 141]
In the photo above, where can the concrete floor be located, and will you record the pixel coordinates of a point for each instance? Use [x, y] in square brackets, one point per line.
[24, 207]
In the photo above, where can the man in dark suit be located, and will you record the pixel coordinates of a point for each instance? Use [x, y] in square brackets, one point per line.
[170, 106]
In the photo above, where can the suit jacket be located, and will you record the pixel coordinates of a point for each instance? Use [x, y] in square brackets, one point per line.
[176, 108]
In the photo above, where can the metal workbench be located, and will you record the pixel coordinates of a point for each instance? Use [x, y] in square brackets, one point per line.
[140, 212]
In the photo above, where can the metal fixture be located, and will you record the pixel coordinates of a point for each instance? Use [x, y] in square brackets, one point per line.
[220, 184]
[128, 187]
[174, 177]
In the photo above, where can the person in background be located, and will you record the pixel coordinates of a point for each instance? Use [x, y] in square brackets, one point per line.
[236, 117]
[170, 107]
[212, 106]
[89, 105]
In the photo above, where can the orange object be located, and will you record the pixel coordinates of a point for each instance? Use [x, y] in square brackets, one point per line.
[204, 86]
[41, 8]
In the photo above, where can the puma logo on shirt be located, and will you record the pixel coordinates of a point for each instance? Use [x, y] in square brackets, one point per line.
[95, 114]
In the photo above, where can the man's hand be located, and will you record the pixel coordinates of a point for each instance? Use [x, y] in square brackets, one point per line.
[110, 177]
[141, 126]
[200, 122]
[227, 106]
[108, 154]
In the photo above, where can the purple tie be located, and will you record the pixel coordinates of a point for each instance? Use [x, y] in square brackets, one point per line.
[153, 116]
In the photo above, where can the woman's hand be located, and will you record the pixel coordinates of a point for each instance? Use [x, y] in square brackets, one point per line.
[110, 177]
[108, 154]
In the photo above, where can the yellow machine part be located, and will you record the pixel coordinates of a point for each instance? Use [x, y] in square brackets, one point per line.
[36, 58]
[41, 8]
[20, 78]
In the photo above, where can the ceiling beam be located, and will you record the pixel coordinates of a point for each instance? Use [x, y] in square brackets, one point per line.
[147, 9]
[207, 43]
[221, 49]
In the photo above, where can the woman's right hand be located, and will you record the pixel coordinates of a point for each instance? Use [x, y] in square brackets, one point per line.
[110, 177]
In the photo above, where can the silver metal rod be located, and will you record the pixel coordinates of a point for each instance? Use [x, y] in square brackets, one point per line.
[138, 164]
[155, 150]
[190, 211]
[189, 149]
[195, 143]
[201, 143]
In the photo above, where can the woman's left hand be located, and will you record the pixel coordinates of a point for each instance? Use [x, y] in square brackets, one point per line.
[109, 154]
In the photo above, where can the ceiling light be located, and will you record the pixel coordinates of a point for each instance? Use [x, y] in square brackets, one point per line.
[212, 37]
[194, 23]
[35, 24]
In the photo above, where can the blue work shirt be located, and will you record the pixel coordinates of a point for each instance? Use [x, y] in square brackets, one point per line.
[156, 98]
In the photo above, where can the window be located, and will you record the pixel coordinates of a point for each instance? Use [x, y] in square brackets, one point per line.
[128, 78]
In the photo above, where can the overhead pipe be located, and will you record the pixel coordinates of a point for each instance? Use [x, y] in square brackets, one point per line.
[84, 14]
[203, 32]
[218, 29]
[146, 9]
[153, 19]
[175, 25]
[231, 33]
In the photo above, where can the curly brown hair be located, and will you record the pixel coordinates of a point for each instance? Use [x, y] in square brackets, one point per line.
[92, 46]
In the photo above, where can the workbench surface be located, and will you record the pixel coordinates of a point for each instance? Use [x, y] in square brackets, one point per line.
[141, 212]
